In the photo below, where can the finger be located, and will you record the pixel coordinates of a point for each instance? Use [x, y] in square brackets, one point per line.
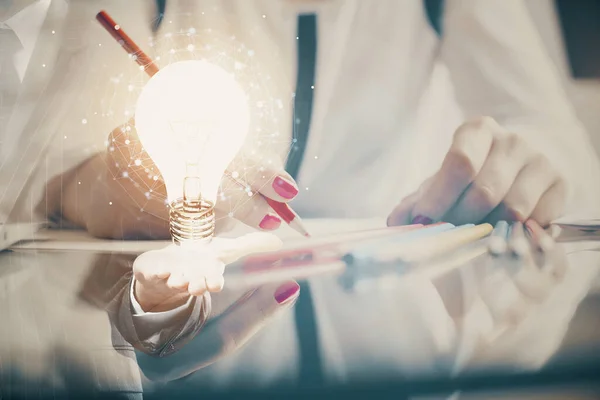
[203, 272]
[500, 213]
[506, 159]
[197, 286]
[401, 215]
[552, 203]
[226, 334]
[529, 186]
[246, 206]
[264, 175]
[178, 281]
[214, 283]
[151, 266]
[467, 154]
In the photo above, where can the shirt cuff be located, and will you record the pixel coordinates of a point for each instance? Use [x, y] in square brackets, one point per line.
[147, 323]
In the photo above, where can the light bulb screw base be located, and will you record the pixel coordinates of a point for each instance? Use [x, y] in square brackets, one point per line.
[191, 221]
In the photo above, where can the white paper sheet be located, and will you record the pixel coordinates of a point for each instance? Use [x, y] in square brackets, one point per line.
[75, 240]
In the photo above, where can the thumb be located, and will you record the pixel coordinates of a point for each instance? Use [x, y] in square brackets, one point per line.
[401, 215]
[225, 334]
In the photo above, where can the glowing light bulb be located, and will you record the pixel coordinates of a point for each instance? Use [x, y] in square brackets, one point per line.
[192, 118]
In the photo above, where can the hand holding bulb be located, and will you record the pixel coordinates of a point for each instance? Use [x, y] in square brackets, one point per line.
[166, 278]
[128, 191]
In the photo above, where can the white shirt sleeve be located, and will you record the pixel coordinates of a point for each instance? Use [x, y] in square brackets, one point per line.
[148, 323]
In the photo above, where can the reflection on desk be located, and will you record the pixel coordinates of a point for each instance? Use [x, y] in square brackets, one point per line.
[417, 334]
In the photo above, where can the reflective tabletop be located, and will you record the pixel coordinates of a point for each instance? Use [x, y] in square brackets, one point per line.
[476, 328]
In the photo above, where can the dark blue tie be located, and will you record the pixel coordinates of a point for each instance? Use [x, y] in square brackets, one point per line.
[310, 356]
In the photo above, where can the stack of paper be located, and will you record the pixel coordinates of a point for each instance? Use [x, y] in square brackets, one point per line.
[78, 240]
[577, 229]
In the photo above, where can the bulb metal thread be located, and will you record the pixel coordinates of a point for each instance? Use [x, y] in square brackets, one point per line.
[191, 221]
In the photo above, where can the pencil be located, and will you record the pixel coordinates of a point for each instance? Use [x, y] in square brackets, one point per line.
[497, 243]
[517, 241]
[432, 246]
[282, 209]
[541, 239]
[332, 245]
[371, 250]
[125, 41]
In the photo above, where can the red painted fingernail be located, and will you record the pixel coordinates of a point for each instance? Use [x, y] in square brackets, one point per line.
[270, 222]
[284, 188]
[421, 219]
[286, 292]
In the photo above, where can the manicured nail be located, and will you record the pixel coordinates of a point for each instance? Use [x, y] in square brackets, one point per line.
[390, 221]
[284, 188]
[270, 222]
[286, 292]
[421, 219]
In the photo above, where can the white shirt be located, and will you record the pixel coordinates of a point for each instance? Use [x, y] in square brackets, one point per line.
[27, 24]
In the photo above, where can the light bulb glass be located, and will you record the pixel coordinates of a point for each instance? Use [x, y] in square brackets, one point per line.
[192, 118]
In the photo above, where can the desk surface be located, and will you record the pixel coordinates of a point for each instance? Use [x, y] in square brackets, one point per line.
[393, 336]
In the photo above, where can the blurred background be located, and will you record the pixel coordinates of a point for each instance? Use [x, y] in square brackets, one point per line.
[576, 23]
